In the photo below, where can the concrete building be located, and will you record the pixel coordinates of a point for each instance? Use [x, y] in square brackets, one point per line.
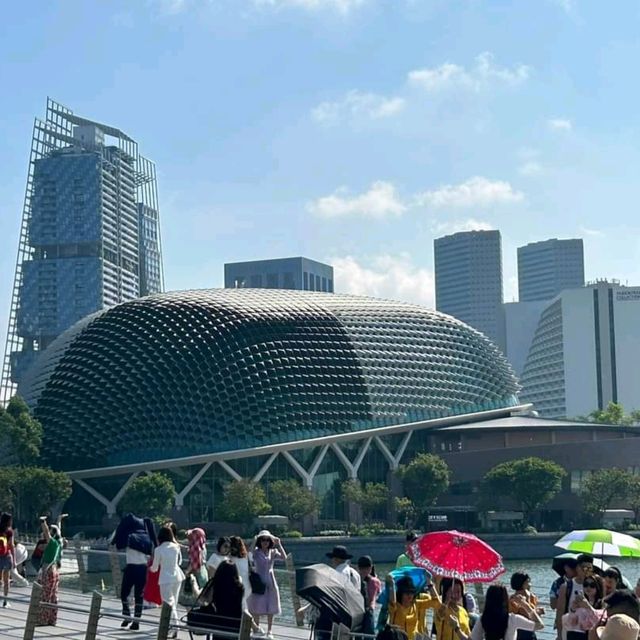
[468, 273]
[299, 273]
[548, 267]
[90, 234]
[521, 321]
[585, 352]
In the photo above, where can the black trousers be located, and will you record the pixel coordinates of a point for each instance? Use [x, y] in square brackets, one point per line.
[134, 577]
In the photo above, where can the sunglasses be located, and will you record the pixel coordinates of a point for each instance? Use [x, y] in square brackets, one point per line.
[589, 585]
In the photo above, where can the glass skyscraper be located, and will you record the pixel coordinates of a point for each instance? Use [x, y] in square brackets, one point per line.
[90, 234]
[468, 270]
[548, 267]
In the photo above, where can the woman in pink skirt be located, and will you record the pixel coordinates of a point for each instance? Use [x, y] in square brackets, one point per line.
[267, 550]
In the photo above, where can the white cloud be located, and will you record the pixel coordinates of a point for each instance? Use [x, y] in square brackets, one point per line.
[475, 192]
[560, 124]
[468, 224]
[342, 6]
[480, 75]
[594, 233]
[385, 276]
[380, 201]
[531, 168]
[357, 105]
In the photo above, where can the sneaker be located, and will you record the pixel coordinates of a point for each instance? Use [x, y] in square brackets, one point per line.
[6, 605]
[259, 633]
[125, 623]
[135, 626]
[270, 635]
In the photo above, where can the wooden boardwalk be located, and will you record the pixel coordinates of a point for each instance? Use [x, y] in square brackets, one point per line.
[73, 615]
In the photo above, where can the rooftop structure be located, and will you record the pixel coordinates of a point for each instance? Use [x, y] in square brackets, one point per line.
[299, 273]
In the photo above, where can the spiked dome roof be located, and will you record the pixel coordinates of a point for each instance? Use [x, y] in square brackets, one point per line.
[193, 372]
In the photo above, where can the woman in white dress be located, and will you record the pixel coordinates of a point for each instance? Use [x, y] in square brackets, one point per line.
[496, 623]
[219, 555]
[167, 558]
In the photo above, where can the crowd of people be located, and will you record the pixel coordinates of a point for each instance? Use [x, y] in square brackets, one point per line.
[235, 580]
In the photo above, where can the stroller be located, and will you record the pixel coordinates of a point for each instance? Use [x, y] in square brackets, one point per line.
[203, 617]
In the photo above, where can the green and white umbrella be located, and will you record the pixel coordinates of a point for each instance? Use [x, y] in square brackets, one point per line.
[600, 542]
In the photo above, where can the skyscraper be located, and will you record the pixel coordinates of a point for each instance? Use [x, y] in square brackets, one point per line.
[468, 268]
[585, 352]
[546, 268]
[302, 274]
[90, 234]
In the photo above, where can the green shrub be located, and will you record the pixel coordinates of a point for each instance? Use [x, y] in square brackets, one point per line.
[291, 534]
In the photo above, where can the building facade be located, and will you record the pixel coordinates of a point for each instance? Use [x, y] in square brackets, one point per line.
[584, 352]
[521, 320]
[468, 274]
[269, 382]
[90, 234]
[548, 267]
[301, 274]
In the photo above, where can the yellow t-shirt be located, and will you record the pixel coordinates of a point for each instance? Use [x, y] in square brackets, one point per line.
[410, 619]
[444, 631]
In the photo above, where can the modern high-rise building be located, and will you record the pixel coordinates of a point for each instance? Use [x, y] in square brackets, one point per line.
[90, 234]
[548, 267]
[280, 273]
[585, 352]
[468, 271]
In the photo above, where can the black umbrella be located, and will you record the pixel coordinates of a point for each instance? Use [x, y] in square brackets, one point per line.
[338, 600]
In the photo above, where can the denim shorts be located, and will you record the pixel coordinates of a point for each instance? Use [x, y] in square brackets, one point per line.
[6, 563]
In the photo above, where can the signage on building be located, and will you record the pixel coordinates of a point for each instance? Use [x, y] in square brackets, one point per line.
[628, 294]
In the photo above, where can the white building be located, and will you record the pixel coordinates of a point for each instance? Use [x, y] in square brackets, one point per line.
[585, 352]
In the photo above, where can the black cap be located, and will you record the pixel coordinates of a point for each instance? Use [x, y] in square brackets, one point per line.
[339, 552]
[365, 561]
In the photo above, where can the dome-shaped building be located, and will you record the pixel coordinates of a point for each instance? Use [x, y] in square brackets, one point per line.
[197, 372]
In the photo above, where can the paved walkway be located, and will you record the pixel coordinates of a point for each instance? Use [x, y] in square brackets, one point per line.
[72, 624]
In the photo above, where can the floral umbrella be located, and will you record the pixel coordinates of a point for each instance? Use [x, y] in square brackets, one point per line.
[457, 555]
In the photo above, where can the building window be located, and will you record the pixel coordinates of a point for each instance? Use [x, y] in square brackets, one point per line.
[324, 284]
[272, 280]
[318, 286]
[312, 286]
[578, 478]
[256, 281]
[238, 282]
[305, 281]
[330, 285]
[287, 282]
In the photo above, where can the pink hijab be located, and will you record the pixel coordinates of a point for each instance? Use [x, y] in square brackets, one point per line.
[197, 540]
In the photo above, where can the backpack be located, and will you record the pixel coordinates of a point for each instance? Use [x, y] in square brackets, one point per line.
[4, 545]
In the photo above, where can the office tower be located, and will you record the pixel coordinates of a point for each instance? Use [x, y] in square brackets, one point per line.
[585, 352]
[280, 273]
[90, 234]
[548, 267]
[468, 268]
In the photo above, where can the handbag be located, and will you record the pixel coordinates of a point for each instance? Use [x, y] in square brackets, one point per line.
[189, 591]
[258, 585]
[151, 591]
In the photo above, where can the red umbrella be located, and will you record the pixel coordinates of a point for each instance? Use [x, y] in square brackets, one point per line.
[457, 555]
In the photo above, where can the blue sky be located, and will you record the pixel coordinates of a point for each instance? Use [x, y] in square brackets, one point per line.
[353, 131]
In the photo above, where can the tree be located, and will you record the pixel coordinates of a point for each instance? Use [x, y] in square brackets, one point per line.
[370, 496]
[424, 479]
[243, 501]
[405, 510]
[633, 496]
[530, 482]
[613, 414]
[38, 491]
[150, 495]
[20, 434]
[602, 487]
[292, 499]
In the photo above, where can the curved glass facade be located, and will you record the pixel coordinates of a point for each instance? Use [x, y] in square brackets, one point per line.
[196, 372]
